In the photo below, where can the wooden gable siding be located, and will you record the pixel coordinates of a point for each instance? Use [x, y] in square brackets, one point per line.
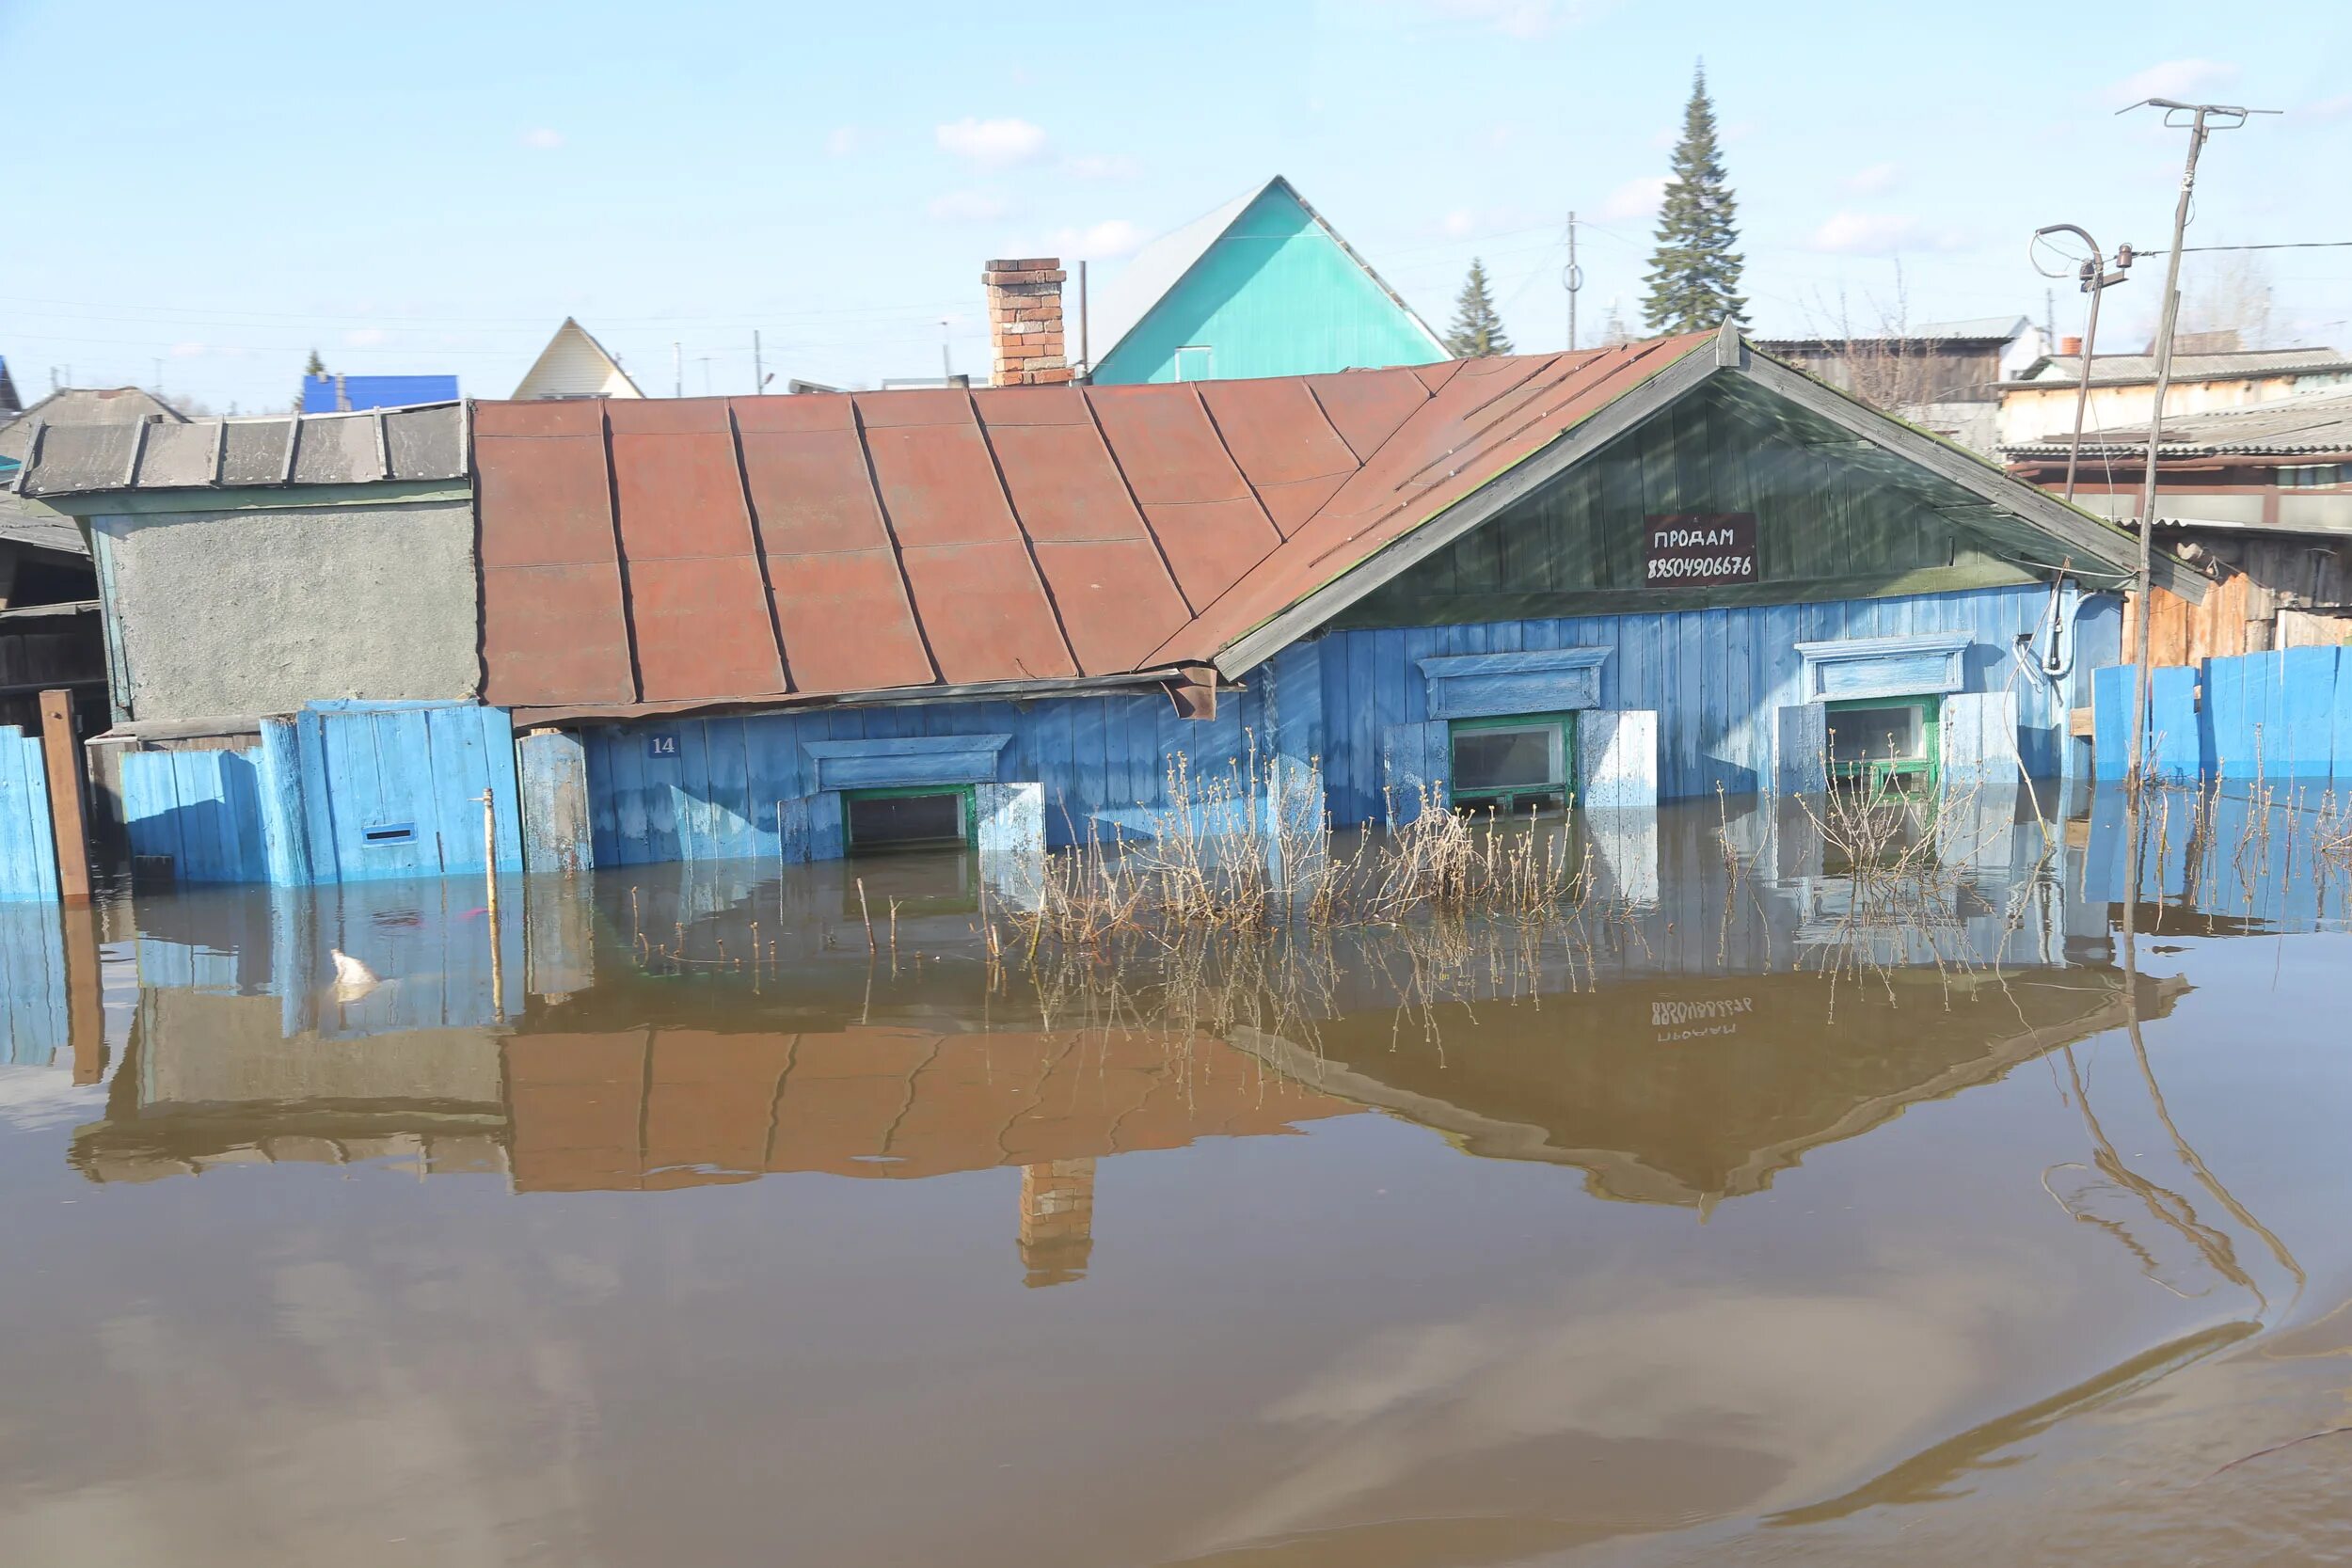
[1828, 526]
[1275, 295]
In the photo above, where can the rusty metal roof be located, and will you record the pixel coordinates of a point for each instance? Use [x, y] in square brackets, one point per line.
[674, 553]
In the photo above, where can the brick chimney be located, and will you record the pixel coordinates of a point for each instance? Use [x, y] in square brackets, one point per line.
[1025, 322]
[2070, 345]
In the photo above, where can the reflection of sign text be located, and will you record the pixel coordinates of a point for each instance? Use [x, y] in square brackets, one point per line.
[1698, 550]
[1691, 1020]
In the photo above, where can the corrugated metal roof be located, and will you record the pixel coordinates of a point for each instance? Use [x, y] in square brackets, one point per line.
[2124, 369]
[353, 394]
[1160, 266]
[26, 522]
[1976, 329]
[2311, 424]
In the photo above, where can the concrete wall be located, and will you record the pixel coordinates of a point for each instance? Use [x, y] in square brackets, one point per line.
[244, 612]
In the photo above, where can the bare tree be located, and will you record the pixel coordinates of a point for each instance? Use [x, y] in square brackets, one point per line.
[2230, 292]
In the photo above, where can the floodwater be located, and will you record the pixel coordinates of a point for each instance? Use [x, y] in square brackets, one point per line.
[669, 1222]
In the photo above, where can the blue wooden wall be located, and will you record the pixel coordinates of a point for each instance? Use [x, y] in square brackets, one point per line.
[28, 846]
[722, 792]
[711, 789]
[202, 809]
[1715, 677]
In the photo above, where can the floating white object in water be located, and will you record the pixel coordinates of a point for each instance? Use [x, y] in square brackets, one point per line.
[352, 977]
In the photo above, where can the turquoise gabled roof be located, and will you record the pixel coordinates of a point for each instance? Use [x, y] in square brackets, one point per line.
[1268, 282]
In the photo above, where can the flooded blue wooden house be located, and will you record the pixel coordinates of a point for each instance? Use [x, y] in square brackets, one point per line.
[799, 627]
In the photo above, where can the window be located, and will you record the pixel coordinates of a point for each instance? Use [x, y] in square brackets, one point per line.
[1514, 765]
[2312, 476]
[1885, 744]
[1192, 362]
[919, 818]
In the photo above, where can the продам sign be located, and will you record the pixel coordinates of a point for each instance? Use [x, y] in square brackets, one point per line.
[1698, 550]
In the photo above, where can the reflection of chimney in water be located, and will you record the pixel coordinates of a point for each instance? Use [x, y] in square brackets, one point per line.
[1057, 1220]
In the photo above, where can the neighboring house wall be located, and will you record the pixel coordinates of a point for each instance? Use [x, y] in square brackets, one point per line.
[2040, 413]
[1276, 295]
[257, 611]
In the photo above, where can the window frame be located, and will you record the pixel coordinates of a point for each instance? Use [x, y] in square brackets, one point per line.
[1879, 773]
[967, 806]
[1505, 798]
[1208, 362]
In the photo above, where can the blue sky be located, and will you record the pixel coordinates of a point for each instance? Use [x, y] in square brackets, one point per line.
[432, 186]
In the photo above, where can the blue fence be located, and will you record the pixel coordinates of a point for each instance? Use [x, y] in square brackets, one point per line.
[341, 792]
[2276, 715]
[28, 853]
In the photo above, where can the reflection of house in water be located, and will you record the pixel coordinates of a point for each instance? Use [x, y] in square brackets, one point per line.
[1683, 1052]
[1689, 1091]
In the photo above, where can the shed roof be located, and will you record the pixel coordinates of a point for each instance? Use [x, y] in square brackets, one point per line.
[2308, 425]
[1976, 329]
[1159, 266]
[2126, 370]
[699, 552]
[29, 523]
[422, 443]
[350, 394]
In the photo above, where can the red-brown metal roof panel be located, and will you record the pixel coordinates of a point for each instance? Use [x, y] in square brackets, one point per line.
[1292, 505]
[679, 493]
[703, 629]
[1210, 544]
[582, 416]
[1063, 483]
[803, 411]
[1001, 406]
[1115, 601]
[913, 407]
[986, 615]
[810, 490]
[846, 623]
[554, 634]
[1366, 406]
[1435, 377]
[938, 486]
[1276, 432]
[543, 499]
[1165, 444]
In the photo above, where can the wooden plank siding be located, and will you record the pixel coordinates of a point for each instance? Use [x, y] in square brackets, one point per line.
[1826, 528]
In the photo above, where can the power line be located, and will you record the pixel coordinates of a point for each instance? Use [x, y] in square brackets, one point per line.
[2283, 244]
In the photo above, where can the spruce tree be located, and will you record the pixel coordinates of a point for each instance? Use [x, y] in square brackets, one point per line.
[1695, 273]
[1477, 329]
[315, 366]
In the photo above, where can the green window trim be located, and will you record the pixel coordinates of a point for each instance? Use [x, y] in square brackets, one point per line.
[968, 807]
[1879, 773]
[1505, 798]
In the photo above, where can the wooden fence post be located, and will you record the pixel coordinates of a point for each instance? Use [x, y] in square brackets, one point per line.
[61, 751]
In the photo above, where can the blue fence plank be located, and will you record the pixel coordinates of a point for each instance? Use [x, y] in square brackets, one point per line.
[28, 861]
[2307, 680]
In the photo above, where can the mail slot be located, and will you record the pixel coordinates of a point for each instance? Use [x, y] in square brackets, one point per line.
[389, 832]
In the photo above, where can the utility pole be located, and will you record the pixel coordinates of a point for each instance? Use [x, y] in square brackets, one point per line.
[946, 366]
[759, 378]
[2205, 120]
[677, 370]
[2095, 281]
[1572, 280]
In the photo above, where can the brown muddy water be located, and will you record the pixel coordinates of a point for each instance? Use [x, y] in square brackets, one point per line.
[672, 1226]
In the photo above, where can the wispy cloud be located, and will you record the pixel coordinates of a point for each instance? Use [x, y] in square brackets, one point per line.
[366, 337]
[190, 350]
[842, 140]
[1104, 166]
[2327, 108]
[1459, 222]
[2173, 79]
[992, 143]
[1635, 198]
[969, 206]
[543, 138]
[1100, 242]
[1880, 234]
[1873, 180]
